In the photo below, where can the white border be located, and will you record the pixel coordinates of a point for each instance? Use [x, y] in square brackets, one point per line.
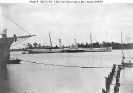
[28, 1]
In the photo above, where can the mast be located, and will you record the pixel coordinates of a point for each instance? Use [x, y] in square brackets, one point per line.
[91, 40]
[50, 40]
[122, 49]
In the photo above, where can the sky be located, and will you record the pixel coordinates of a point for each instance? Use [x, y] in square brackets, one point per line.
[67, 22]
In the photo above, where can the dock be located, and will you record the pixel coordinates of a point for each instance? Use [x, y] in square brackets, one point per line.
[119, 80]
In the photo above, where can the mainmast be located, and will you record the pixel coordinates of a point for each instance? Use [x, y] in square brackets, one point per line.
[50, 40]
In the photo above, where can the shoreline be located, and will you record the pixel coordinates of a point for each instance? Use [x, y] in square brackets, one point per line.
[27, 50]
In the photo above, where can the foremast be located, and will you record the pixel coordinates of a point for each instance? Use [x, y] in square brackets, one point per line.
[91, 41]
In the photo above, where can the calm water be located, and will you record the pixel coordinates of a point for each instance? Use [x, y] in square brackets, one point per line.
[38, 78]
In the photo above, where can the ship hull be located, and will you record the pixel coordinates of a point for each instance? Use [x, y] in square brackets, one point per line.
[104, 49]
[36, 51]
[3, 64]
[5, 44]
[71, 50]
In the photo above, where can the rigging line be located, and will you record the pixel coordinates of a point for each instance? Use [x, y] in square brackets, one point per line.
[16, 24]
[65, 65]
[94, 38]
[45, 41]
[18, 42]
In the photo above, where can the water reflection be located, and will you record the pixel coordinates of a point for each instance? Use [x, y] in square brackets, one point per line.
[4, 84]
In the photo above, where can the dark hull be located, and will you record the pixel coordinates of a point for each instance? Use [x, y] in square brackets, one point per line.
[4, 78]
[13, 61]
[73, 51]
[5, 44]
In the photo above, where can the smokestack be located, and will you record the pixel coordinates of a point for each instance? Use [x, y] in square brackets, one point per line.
[76, 45]
[60, 43]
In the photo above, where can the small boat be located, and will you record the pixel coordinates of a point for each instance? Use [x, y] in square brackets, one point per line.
[24, 52]
[10, 60]
[125, 62]
[14, 61]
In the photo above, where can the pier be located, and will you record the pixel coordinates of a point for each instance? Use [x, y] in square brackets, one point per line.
[119, 80]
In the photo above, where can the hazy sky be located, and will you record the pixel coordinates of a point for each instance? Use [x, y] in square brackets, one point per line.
[71, 21]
